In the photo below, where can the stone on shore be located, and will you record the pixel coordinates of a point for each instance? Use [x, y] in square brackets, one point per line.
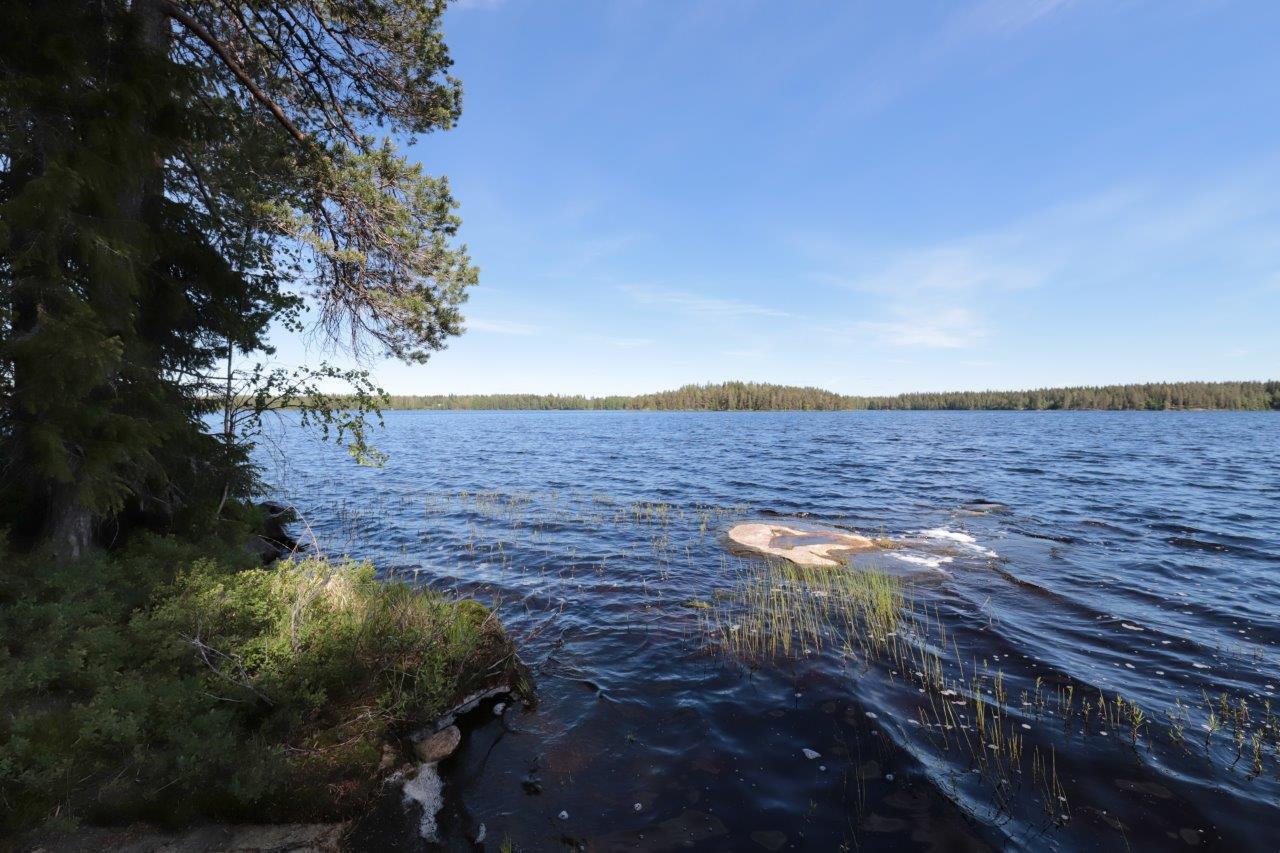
[439, 746]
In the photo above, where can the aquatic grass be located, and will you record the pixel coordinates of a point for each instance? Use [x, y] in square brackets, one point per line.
[781, 607]
[979, 714]
[654, 513]
[779, 610]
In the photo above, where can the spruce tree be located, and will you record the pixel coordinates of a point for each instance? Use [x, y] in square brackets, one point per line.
[174, 177]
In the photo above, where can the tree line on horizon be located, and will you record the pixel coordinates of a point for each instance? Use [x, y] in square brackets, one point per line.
[762, 396]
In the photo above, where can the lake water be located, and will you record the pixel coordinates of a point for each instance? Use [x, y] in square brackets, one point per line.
[1062, 556]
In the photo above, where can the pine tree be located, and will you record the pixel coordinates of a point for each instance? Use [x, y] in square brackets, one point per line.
[174, 176]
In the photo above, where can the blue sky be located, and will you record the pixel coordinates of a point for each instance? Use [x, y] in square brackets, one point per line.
[873, 197]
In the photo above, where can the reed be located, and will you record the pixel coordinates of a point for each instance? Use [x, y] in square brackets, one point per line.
[781, 607]
[982, 715]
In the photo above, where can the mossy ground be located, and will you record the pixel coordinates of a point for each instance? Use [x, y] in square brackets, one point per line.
[163, 684]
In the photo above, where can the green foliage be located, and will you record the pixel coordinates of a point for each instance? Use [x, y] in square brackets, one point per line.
[739, 396]
[176, 176]
[512, 402]
[759, 396]
[1253, 396]
[251, 395]
[163, 685]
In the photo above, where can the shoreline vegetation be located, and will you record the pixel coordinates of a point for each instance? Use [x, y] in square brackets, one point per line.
[178, 182]
[173, 683]
[760, 396]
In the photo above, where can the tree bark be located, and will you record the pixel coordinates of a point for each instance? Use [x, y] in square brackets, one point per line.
[70, 528]
[69, 522]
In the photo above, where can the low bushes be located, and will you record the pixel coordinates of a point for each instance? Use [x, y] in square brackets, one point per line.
[163, 685]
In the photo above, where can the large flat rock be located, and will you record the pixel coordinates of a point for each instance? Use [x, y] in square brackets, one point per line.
[817, 548]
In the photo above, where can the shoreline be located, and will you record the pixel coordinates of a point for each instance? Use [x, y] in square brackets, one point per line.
[824, 411]
[761, 396]
[269, 702]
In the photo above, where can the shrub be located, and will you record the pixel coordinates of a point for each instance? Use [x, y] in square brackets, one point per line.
[159, 684]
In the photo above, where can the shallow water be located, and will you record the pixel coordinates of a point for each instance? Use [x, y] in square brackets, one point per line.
[1128, 554]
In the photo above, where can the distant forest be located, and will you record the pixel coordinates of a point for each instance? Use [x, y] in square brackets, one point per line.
[758, 396]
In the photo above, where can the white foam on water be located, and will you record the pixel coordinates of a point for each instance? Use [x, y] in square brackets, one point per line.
[935, 563]
[958, 537]
[943, 533]
[427, 790]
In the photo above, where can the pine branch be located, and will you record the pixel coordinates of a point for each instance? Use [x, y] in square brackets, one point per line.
[201, 32]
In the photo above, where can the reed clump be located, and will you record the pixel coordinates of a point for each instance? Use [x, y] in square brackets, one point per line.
[781, 608]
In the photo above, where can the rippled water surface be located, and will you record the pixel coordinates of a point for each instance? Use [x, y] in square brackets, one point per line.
[1091, 556]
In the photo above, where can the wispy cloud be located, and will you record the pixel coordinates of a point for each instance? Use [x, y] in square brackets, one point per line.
[961, 267]
[588, 252]
[699, 304]
[951, 328]
[1002, 17]
[746, 354]
[945, 294]
[501, 327]
[897, 68]
[629, 343]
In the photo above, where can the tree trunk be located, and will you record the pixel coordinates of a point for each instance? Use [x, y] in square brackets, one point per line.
[70, 524]
[69, 528]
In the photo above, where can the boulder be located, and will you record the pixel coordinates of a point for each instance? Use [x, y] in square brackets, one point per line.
[769, 839]
[438, 746]
[813, 548]
[263, 550]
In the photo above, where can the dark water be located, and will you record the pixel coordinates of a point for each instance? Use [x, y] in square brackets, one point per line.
[1129, 554]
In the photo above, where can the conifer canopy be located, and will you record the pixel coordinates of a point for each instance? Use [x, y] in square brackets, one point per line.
[176, 176]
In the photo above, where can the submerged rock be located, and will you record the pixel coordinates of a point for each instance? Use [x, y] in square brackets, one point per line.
[813, 548]
[769, 839]
[688, 829]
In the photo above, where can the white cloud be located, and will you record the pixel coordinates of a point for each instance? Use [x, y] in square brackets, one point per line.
[1002, 17]
[588, 252]
[698, 304]
[958, 268]
[501, 327]
[627, 343]
[945, 294]
[897, 68]
[951, 328]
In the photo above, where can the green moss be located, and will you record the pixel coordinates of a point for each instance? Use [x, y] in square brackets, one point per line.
[158, 684]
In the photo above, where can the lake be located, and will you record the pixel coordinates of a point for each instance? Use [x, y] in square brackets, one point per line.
[1092, 662]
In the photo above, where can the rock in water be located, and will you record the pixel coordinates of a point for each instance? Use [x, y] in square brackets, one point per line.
[769, 839]
[812, 548]
[439, 746]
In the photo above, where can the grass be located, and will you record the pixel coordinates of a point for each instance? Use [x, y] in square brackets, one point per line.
[164, 684]
[781, 608]
[975, 713]
[779, 611]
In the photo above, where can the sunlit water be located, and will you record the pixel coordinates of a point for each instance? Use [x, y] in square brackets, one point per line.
[1128, 554]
